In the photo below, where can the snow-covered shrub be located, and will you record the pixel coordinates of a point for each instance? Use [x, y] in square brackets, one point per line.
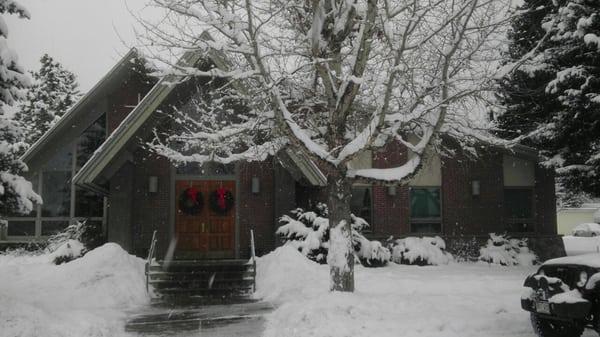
[420, 251]
[74, 241]
[68, 251]
[308, 231]
[506, 251]
[464, 249]
[370, 253]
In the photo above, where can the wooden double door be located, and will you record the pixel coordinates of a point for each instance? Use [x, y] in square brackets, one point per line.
[204, 233]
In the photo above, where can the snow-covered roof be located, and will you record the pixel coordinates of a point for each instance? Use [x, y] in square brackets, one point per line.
[78, 117]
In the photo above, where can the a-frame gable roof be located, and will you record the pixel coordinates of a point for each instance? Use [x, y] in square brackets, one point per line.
[116, 142]
[109, 151]
[80, 116]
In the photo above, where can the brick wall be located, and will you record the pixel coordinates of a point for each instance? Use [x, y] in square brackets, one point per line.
[256, 211]
[120, 206]
[390, 213]
[545, 201]
[463, 213]
[151, 211]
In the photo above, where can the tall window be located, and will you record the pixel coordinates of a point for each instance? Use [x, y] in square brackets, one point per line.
[425, 210]
[64, 203]
[361, 203]
[518, 209]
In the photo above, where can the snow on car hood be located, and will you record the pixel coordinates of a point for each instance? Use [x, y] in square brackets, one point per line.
[590, 260]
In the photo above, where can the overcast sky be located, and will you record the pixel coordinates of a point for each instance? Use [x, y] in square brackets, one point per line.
[84, 35]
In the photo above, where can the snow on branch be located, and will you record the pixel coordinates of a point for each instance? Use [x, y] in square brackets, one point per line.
[332, 79]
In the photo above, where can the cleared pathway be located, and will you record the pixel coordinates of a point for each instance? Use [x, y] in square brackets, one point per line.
[227, 320]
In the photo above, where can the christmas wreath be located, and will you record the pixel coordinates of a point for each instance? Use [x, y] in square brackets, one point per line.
[221, 200]
[191, 201]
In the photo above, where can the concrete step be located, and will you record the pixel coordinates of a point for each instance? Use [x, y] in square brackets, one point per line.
[220, 284]
[202, 278]
[172, 320]
[200, 275]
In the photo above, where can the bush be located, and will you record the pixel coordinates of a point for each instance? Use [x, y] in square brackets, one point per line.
[308, 231]
[73, 242]
[68, 251]
[505, 251]
[420, 251]
[464, 249]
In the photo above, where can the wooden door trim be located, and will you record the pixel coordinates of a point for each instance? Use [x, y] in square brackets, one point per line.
[174, 177]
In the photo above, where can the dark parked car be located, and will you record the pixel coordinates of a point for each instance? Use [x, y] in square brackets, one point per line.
[563, 297]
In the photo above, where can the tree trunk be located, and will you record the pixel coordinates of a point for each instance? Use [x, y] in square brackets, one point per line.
[341, 253]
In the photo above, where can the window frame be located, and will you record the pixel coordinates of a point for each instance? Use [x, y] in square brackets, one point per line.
[39, 219]
[412, 221]
[508, 221]
[370, 229]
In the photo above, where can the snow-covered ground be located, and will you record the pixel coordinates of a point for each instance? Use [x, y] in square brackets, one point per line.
[86, 297]
[456, 300]
[93, 296]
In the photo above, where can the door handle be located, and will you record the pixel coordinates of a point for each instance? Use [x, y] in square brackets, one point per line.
[203, 227]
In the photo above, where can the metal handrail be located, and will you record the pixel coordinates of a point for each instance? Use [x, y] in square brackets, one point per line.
[151, 252]
[253, 254]
[252, 247]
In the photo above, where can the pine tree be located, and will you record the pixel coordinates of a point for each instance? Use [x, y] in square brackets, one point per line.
[54, 91]
[16, 193]
[553, 98]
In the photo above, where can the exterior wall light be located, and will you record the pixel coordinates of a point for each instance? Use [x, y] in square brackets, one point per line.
[255, 185]
[392, 190]
[152, 184]
[475, 188]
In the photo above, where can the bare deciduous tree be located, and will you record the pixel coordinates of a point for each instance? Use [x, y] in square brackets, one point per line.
[331, 79]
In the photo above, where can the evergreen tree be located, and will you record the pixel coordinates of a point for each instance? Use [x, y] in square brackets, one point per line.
[16, 193]
[54, 91]
[552, 99]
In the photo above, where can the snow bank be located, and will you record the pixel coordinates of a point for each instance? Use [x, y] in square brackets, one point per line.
[586, 229]
[577, 245]
[285, 271]
[456, 300]
[85, 297]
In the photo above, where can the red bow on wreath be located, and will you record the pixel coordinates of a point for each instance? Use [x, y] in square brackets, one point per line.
[192, 193]
[221, 198]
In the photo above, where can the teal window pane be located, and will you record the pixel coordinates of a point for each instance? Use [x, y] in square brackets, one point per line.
[90, 140]
[426, 228]
[425, 203]
[56, 193]
[518, 203]
[361, 202]
[21, 228]
[53, 227]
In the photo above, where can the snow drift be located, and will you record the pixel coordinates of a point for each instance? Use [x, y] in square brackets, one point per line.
[85, 297]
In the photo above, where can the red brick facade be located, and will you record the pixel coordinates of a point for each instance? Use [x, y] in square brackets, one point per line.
[134, 213]
[390, 213]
